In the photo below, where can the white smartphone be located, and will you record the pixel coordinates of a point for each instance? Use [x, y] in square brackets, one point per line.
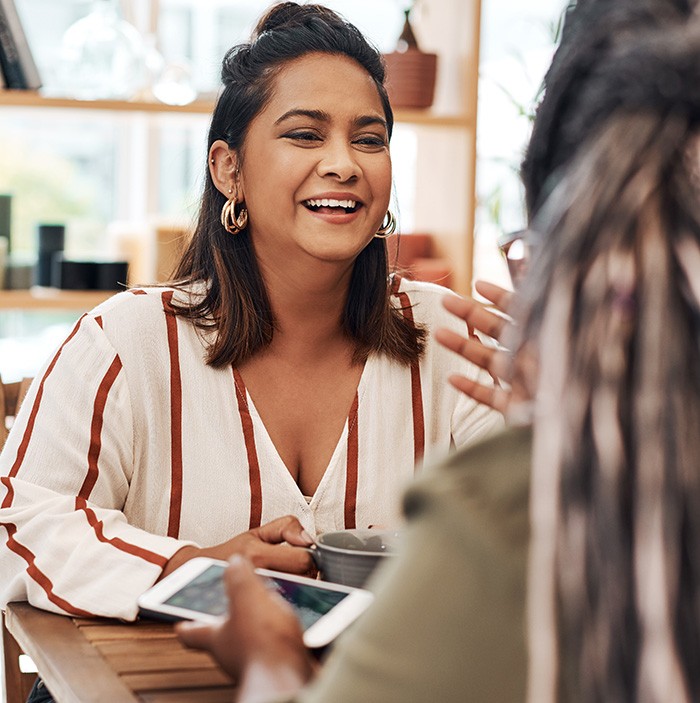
[195, 591]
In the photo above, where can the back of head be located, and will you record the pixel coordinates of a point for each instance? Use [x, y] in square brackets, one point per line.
[592, 29]
[612, 307]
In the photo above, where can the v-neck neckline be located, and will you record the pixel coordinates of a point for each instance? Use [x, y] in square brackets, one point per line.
[242, 392]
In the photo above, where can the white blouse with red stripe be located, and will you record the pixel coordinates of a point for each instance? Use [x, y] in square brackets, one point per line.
[128, 447]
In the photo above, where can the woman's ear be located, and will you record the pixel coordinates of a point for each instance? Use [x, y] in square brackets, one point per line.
[223, 167]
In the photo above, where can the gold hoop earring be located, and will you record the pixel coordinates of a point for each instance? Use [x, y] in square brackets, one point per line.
[233, 223]
[388, 226]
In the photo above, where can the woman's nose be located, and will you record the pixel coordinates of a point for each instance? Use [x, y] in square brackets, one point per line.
[338, 160]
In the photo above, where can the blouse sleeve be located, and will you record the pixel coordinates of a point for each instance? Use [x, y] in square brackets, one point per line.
[65, 473]
[471, 421]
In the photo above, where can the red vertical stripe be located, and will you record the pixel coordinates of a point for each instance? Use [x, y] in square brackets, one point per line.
[395, 283]
[96, 427]
[175, 418]
[416, 390]
[418, 419]
[22, 450]
[251, 451]
[351, 467]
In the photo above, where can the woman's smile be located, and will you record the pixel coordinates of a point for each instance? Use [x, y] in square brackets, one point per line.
[334, 208]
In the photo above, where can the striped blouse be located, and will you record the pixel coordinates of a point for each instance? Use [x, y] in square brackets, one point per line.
[129, 446]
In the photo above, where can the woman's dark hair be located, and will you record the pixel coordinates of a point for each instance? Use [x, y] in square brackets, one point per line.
[612, 306]
[591, 30]
[236, 303]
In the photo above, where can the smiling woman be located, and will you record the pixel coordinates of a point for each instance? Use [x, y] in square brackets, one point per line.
[285, 383]
[330, 147]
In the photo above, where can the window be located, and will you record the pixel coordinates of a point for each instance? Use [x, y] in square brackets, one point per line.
[517, 43]
[109, 175]
[99, 166]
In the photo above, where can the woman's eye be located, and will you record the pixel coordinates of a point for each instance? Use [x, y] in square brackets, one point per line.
[372, 140]
[303, 136]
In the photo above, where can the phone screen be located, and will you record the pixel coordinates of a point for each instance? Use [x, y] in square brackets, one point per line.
[309, 602]
[206, 594]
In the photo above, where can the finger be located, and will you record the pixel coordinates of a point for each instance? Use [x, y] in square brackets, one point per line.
[280, 557]
[295, 534]
[475, 315]
[502, 365]
[239, 574]
[493, 396]
[471, 349]
[245, 589]
[196, 634]
[500, 297]
[284, 529]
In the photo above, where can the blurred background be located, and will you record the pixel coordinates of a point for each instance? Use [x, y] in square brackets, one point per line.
[119, 167]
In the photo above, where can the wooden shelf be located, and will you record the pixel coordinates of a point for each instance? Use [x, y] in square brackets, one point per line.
[428, 118]
[32, 99]
[52, 299]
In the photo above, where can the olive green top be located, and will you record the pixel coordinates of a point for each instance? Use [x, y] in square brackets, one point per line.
[448, 622]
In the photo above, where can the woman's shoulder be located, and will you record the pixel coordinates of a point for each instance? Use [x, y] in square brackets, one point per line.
[421, 289]
[147, 300]
[132, 303]
[425, 301]
[143, 306]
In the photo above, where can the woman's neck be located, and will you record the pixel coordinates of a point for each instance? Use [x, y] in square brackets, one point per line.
[308, 308]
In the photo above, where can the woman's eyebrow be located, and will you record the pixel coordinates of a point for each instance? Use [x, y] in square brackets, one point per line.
[366, 120]
[323, 116]
[318, 115]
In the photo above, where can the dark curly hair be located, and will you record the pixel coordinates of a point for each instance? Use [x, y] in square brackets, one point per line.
[591, 31]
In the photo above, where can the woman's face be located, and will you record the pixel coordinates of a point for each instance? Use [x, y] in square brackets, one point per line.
[315, 170]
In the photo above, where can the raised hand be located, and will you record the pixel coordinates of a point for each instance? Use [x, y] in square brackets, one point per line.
[494, 359]
[259, 643]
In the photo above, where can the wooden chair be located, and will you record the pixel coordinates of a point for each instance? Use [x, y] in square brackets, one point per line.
[11, 397]
[17, 683]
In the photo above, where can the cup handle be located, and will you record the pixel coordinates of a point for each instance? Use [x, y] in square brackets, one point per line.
[315, 555]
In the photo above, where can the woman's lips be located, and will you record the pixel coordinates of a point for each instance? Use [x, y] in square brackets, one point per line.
[336, 215]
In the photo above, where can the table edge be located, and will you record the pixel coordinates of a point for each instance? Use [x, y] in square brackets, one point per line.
[25, 623]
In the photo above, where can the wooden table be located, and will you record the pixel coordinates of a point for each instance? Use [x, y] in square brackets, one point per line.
[101, 660]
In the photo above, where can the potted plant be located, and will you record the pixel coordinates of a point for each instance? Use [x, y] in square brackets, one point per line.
[410, 72]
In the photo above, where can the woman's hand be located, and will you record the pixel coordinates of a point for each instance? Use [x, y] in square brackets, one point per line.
[496, 361]
[260, 642]
[274, 545]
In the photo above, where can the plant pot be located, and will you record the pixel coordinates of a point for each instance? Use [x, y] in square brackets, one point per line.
[410, 78]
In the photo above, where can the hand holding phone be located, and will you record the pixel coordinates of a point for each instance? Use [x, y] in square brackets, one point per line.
[260, 634]
[196, 591]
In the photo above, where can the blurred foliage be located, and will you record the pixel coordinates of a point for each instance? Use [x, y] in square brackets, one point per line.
[496, 202]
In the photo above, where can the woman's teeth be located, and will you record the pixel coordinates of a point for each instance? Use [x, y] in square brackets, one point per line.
[347, 205]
